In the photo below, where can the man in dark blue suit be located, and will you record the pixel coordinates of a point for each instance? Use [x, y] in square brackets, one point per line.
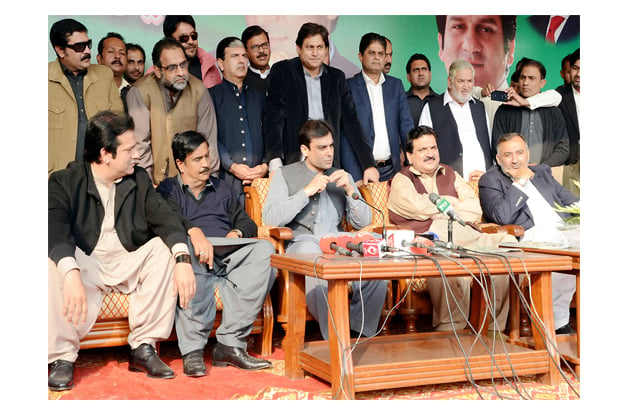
[305, 88]
[569, 108]
[383, 112]
[239, 112]
[513, 192]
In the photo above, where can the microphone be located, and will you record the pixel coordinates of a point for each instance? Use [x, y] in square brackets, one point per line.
[445, 207]
[331, 245]
[419, 245]
[356, 243]
[448, 245]
[356, 196]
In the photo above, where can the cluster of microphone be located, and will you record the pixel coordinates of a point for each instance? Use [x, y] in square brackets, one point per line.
[368, 245]
[399, 241]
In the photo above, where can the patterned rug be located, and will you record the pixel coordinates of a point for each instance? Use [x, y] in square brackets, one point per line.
[102, 374]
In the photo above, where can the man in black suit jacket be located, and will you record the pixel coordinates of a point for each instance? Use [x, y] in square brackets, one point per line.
[568, 107]
[305, 88]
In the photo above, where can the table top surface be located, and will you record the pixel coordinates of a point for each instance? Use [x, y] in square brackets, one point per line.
[329, 266]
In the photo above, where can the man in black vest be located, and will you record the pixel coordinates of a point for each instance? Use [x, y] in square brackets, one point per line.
[461, 124]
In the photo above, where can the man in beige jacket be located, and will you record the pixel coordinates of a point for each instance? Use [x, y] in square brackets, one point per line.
[77, 90]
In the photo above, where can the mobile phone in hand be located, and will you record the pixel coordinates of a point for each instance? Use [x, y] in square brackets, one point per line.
[499, 96]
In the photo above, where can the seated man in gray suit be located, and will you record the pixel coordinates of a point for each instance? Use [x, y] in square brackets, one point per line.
[516, 193]
[311, 197]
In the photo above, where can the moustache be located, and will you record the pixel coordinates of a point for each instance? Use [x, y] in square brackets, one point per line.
[116, 62]
[86, 57]
[430, 159]
[262, 55]
[207, 170]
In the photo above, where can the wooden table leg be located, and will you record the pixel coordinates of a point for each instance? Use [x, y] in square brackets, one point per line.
[543, 303]
[514, 316]
[342, 370]
[296, 325]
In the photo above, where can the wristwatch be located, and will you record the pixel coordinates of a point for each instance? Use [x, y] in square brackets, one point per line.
[238, 232]
[186, 258]
[522, 181]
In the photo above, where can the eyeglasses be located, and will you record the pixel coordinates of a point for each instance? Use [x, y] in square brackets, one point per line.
[260, 46]
[173, 68]
[80, 47]
[185, 38]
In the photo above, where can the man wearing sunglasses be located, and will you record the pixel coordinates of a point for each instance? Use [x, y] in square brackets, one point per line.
[169, 101]
[202, 64]
[76, 91]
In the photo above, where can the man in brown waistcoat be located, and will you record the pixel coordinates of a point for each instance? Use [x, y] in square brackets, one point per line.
[166, 102]
[409, 205]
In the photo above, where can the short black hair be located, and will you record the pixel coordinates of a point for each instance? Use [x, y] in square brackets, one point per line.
[532, 62]
[164, 43]
[227, 42]
[574, 57]
[108, 36]
[417, 57]
[102, 132]
[185, 143]
[369, 38]
[134, 46]
[313, 129]
[312, 29]
[171, 23]
[252, 31]
[418, 132]
[63, 29]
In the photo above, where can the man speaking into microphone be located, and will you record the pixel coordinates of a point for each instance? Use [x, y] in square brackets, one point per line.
[311, 197]
[410, 205]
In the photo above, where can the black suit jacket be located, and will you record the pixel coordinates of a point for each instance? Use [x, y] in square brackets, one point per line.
[570, 31]
[569, 112]
[505, 204]
[287, 110]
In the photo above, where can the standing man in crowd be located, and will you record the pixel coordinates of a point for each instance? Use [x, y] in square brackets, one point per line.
[382, 110]
[389, 56]
[135, 68]
[239, 110]
[544, 127]
[76, 91]
[419, 74]
[461, 124]
[258, 48]
[220, 235]
[311, 197]
[202, 64]
[570, 111]
[108, 230]
[518, 193]
[168, 101]
[112, 53]
[305, 88]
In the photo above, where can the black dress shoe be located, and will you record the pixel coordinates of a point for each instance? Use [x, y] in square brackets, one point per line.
[145, 359]
[193, 363]
[566, 329]
[237, 357]
[61, 375]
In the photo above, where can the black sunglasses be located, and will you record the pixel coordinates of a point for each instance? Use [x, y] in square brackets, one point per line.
[185, 38]
[80, 46]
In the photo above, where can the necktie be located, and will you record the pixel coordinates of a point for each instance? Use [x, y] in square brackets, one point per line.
[554, 23]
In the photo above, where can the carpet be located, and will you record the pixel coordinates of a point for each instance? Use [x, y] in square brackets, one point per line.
[102, 374]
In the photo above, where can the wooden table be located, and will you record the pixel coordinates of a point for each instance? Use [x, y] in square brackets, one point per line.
[568, 344]
[411, 359]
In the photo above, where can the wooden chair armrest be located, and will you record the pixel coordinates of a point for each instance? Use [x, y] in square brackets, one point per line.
[514, 230]
[280, 233]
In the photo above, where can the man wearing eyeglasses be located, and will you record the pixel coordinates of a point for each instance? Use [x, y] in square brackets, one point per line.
[169, 101]
[76, 91]
[202, 64]
[258, 48]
